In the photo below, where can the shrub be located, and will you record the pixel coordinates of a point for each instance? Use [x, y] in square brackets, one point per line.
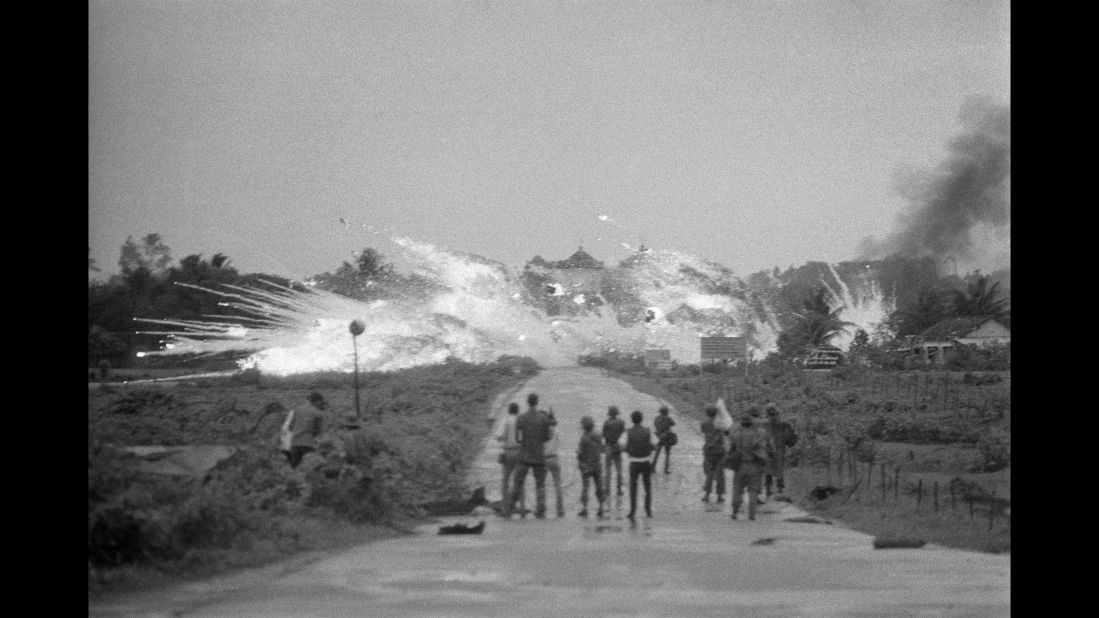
[133, 401]
[995, 452]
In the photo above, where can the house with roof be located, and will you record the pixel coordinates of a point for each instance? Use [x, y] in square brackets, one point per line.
[980, 331]
[580, 273]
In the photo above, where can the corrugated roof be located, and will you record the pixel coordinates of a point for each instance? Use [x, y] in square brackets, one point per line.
[955, 327]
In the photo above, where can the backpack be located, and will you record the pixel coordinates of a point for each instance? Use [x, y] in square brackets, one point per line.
[747, 447]
[715, 441]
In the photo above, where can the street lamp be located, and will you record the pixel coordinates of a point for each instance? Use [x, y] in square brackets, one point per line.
[357, 327]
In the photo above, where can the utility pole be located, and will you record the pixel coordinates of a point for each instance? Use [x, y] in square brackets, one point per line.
[357, 327]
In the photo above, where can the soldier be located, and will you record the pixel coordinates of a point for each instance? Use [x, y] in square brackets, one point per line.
[713, 455]
[665, 437]
[587, 459]
[613, 428]
[639, 447]
[532, 430]
[748, 455]
[782, 436]
[553, 466]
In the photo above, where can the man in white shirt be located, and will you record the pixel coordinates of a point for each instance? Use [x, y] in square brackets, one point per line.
[553, 466]
[509, 458]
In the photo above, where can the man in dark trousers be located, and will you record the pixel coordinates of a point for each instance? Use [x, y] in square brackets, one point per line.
[532, 430]
[665, 438]
[639, 448]
[783, 436]
[713, 456]
[613, 428]
[749, 452]
[509, 457]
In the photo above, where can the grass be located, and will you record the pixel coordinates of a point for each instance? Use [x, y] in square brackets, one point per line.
[422, 430]
[897, 514]
[831, 411]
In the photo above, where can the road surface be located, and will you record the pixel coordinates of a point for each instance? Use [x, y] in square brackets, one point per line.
[688, 560]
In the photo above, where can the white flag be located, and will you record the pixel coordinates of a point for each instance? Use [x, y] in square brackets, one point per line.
[723, 420]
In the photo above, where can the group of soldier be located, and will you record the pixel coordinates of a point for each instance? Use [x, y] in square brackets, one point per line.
[754, 451]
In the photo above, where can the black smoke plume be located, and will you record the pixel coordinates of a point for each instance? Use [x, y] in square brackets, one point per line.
[970, 188]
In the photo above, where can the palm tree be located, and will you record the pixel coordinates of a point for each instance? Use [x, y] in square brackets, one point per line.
[818, 323]
[930, 305]
[980, 298]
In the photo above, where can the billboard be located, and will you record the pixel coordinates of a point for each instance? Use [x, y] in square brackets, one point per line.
[724, 348]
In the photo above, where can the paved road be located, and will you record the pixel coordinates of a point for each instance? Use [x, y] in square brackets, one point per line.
[686, 561]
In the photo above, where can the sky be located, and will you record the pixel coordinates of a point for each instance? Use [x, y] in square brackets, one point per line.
[289, 134]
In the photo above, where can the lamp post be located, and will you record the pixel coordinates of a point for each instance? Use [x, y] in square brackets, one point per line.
[356, 328]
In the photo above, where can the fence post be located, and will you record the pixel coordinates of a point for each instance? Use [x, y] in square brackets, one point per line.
[969, 498]
[992, 509]
[936, 496]
[946, 391]
[882, 474]
[919, 492]
[869, 475]
[953, 502]
[897, 484]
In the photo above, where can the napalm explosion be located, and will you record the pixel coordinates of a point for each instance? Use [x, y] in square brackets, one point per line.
[475, 309]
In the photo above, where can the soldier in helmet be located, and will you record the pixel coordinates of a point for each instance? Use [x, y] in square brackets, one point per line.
[588, 454]
[748, 451]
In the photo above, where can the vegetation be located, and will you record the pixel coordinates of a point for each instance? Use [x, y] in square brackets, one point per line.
[422, 428]
[815, 325]
[151, 285]
[925, 427]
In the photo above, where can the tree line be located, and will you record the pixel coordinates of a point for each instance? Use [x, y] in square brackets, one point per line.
[148, 286]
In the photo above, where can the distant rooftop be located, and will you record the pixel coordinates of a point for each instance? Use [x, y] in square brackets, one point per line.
[953, 328]
[580, 259]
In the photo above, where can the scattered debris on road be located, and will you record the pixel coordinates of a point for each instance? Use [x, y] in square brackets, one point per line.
[770, 540]
[898, 543]
[462, 529]
[808, 519]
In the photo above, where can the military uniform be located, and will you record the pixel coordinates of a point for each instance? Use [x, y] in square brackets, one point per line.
[750, 444]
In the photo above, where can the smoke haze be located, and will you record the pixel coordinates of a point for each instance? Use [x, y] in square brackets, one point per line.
[962, 210]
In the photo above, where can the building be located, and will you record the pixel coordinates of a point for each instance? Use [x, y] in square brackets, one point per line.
[579, 274]
[980, 331]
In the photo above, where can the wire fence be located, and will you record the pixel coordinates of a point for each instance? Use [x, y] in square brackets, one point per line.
[879, 483]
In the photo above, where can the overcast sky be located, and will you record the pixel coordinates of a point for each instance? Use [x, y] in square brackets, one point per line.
[754, 134]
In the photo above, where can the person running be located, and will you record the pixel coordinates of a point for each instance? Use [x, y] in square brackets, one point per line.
[509, 457]
[553, 466]
[748, 452]
[613, 428]
[588, 453]
[639, 448]
[713, 456]
[532, 429]
[665, 438]
[782, 436]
